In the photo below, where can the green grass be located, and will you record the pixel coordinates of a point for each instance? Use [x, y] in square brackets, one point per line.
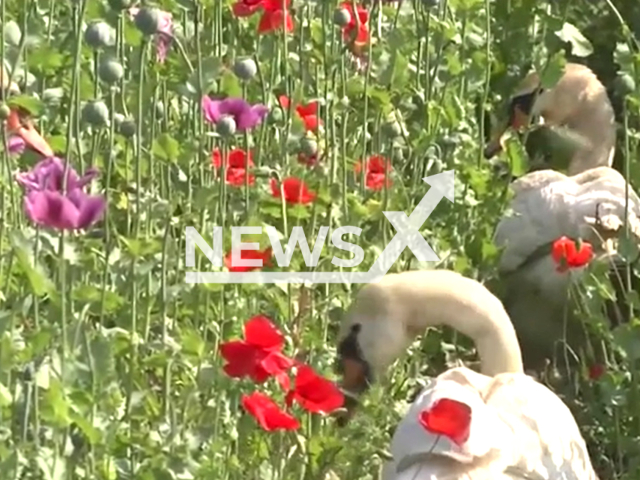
[109, 364]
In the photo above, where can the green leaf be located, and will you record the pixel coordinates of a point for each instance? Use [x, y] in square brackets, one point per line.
[553, 71]
[31, 104]
[5, 396]
[35, 272]
[166, 147]
[230, 85]
[580, 46]
[517, 156]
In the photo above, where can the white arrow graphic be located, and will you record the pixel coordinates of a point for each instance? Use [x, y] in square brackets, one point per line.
[407, 227]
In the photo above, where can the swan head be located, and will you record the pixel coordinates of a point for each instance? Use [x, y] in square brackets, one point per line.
[368, 345]
[519, 112]
[386, 317]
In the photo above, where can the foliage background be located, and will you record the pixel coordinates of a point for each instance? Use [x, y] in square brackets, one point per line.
[108, 360]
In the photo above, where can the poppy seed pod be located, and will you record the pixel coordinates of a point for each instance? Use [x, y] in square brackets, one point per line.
[127, 128]
[341, 17]
[226, 126]
[148, 20]
[245, 69]
[99, 35]
[95, 113]
[110, 70]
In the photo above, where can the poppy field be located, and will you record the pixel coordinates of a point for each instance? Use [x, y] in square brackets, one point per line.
[126, 122]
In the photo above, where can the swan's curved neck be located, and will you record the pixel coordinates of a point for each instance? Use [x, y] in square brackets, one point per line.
[468, 307]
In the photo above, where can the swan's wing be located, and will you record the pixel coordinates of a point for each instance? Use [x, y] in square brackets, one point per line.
[538, 215]
[519, 430]
[550, 206]
[438, 456]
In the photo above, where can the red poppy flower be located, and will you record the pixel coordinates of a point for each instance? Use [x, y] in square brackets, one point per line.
[377, 173]
[238, 162]
[264, 255]
[314, 393]
[295, 191]
[596, 371]
[567, 255]
[259, 356]
[275, 13]
[449, 418]
[267, 413]
[308, 113]
[359, 34]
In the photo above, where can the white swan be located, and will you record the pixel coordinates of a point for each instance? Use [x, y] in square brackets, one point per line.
[578, 102]
[588, 203]
[519, 429]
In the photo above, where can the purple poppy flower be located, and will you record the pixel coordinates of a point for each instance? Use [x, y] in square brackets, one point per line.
[45, 202]
[164, 35]
[47, 174]
[245, 115]
[75, 210]
[16, 145]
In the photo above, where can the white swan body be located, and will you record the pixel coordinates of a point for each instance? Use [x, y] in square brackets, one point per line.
[548, 205]
[518, 430]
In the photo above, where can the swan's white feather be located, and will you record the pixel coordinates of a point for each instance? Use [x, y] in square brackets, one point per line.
[548, 205]
[519, 430]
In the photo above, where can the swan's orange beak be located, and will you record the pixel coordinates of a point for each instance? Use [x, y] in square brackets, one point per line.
[16, 125]
[355, 381]
[517, 120]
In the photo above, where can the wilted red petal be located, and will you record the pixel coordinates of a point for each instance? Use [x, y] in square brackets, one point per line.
[449, 418]
[268, 415]
[315, 393]
[261, 332]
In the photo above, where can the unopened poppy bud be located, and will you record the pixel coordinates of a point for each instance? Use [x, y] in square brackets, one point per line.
[308, 146]
[245, 69]
[12, 33]
[99, 35]
[226, 126]
[341, 17]
[95, 113]
[4, 111]
[392, 129]
[147, 20]
[110, 70]
[624, 85]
